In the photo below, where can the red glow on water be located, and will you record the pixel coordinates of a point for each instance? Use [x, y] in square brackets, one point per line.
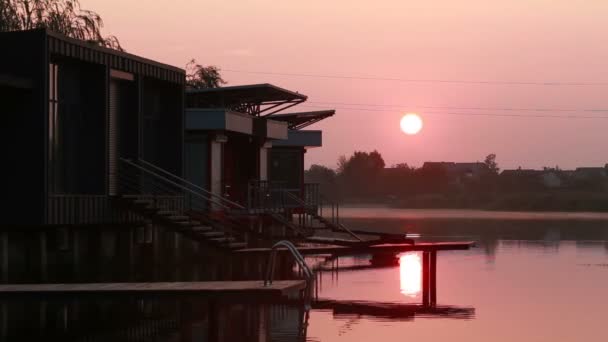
[410, 268]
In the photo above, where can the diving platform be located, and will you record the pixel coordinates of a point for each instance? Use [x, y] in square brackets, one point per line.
[392, 248]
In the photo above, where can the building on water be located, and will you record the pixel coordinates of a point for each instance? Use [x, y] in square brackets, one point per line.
[111, 178]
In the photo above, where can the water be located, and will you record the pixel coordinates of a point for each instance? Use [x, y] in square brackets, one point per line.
[529, 279]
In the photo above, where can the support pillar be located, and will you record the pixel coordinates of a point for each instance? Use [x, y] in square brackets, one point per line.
[425, 278]
[216, 166]
[5, 256]
[264, 149]
[43, 258]
[433, 277]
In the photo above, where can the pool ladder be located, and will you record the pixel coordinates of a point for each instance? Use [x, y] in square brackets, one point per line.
[299, 260]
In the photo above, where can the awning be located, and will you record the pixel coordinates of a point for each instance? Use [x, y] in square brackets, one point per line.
[255, 99]
[300, 120]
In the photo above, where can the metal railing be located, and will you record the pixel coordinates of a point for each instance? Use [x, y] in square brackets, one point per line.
[308, 275]
[276, 196]
[146, 181]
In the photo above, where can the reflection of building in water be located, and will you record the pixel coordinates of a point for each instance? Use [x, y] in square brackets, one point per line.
[161, 319]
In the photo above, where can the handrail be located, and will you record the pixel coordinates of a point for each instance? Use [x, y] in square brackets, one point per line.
[221, 198]
[297, 256]
[172, 182]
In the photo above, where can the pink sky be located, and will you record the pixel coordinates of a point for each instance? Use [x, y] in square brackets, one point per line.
[501, 40]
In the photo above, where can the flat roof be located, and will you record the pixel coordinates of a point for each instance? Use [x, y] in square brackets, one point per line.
[255, 99]
[303, 119]
[61, 45]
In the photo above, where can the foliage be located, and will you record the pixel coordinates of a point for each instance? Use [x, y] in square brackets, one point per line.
[358, 174]
[203, 77]
[491, 164]
[63, 16]
[320, 174]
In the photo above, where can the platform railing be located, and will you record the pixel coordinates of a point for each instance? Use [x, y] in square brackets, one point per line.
[297, 256]
[146, 181]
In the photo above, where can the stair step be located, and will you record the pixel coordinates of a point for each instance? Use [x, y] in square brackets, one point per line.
[236, 245]
[201, 229]
[178, 218]
[223, 240]
[143, 201]
[212, 234]
[167, 213]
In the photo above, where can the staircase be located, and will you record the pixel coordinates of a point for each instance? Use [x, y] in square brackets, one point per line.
[172, 202]
[312, 213]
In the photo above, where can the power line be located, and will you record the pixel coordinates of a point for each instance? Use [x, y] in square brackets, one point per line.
[511, 109]
[406, 80]
[473, 114]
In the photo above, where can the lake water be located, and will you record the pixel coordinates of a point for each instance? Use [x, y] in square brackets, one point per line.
[533, 277]
[530, 278]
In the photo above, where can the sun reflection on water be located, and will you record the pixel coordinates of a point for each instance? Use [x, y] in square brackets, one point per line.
[410, 267]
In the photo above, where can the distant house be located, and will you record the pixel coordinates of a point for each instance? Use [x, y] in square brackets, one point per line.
[529, 179]
[459, 173]
[588, 173]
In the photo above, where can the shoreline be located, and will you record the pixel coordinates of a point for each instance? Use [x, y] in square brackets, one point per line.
[385, 212]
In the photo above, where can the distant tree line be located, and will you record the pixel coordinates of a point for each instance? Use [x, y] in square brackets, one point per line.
[364, 177]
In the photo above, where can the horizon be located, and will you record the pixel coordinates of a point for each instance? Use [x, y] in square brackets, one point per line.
[473, 41]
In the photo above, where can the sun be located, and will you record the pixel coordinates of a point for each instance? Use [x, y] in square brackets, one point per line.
[411, 123]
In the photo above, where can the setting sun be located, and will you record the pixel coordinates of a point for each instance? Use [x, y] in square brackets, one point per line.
[411, 123]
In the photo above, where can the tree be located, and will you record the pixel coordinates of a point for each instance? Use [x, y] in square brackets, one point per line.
[203, 77]
[491, 164]
[63, 16]
[320, 174]
[358, 174]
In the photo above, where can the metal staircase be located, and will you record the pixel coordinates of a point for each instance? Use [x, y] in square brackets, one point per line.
[170, 201]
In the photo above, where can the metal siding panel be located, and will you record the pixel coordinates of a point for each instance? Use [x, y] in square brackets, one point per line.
[113, 137]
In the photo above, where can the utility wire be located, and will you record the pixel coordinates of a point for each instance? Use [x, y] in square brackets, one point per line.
[406, 80]
[472, 114]
[460, 108]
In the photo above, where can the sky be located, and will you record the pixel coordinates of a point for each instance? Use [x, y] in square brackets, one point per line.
[499, 41]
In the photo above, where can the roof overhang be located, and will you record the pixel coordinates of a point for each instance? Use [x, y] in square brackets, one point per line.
[255, 99]
[306, 138]
[300, 120]
[218, 120]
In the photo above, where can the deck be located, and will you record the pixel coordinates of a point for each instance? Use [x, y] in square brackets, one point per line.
[374, 249]
[214, 288]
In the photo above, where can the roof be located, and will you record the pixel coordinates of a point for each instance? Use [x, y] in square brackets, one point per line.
[254, 99]
[62, 45]
[303, 119]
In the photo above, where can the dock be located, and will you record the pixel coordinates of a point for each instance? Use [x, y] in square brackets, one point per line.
[392, 310]
[278, 288]
[367, 249]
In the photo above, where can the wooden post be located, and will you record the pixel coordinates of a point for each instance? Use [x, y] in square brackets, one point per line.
[425, 278]
[433, 277]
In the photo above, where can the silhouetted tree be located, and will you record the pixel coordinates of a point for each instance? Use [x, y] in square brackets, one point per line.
[359, 173]
[324, 176]
[432, 178]
[491, 164]
[203, 77]
[63, 16]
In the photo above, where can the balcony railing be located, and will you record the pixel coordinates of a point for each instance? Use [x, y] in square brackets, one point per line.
[276, 196]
